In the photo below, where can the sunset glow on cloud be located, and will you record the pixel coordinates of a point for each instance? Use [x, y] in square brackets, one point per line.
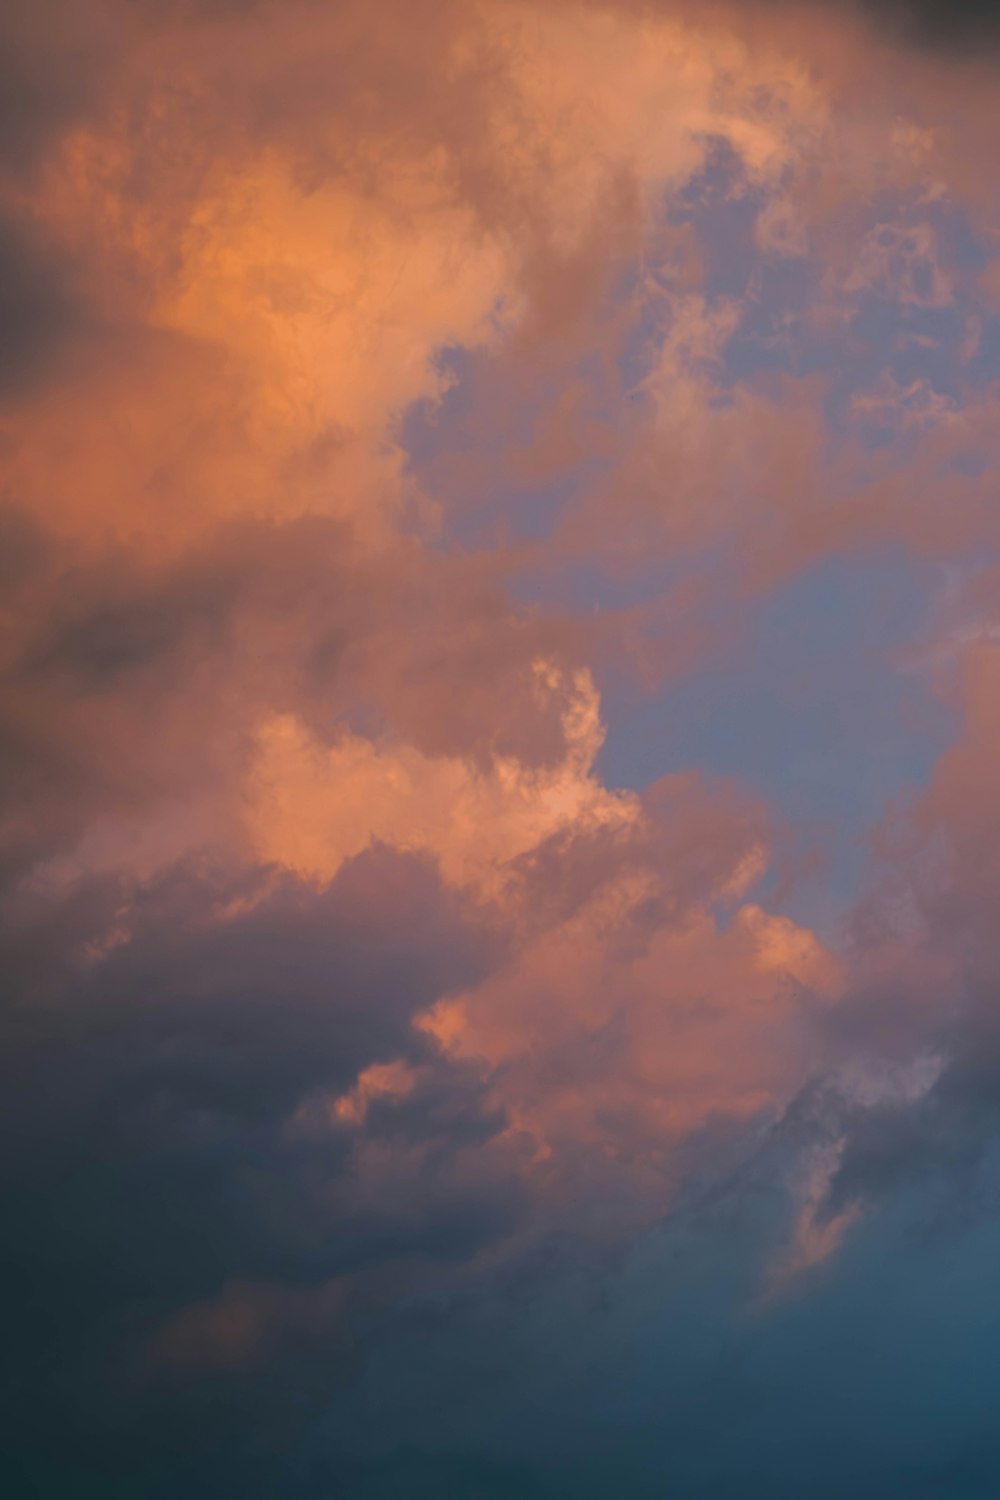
[500, 604]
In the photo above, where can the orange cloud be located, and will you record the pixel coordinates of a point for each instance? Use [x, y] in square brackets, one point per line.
[310, 807]
[276, 225]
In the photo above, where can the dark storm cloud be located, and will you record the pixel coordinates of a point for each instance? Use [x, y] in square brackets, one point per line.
[664, 1371]
[944, 23]
[150, 1153]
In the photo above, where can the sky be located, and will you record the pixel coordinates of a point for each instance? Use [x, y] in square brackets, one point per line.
[500, 746]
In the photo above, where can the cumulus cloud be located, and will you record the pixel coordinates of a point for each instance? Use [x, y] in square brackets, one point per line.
[396, 1102]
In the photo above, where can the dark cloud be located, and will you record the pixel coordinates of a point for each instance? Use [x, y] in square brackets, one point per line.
[153, 1074]
[667, 1371]
[41, 312]
[93, 641]
[940, 1144]
[53, 62]
[945, 23]
[24, 550]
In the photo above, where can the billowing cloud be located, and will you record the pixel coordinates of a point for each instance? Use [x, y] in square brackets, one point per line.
[498, 741]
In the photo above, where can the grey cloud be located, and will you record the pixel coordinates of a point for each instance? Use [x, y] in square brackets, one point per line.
[941, 23]
[41, 310]
[148, 1155]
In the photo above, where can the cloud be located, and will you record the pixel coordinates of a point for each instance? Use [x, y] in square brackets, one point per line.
[389, 403]
[160, 1043]
[312, 807]
[970, 24]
